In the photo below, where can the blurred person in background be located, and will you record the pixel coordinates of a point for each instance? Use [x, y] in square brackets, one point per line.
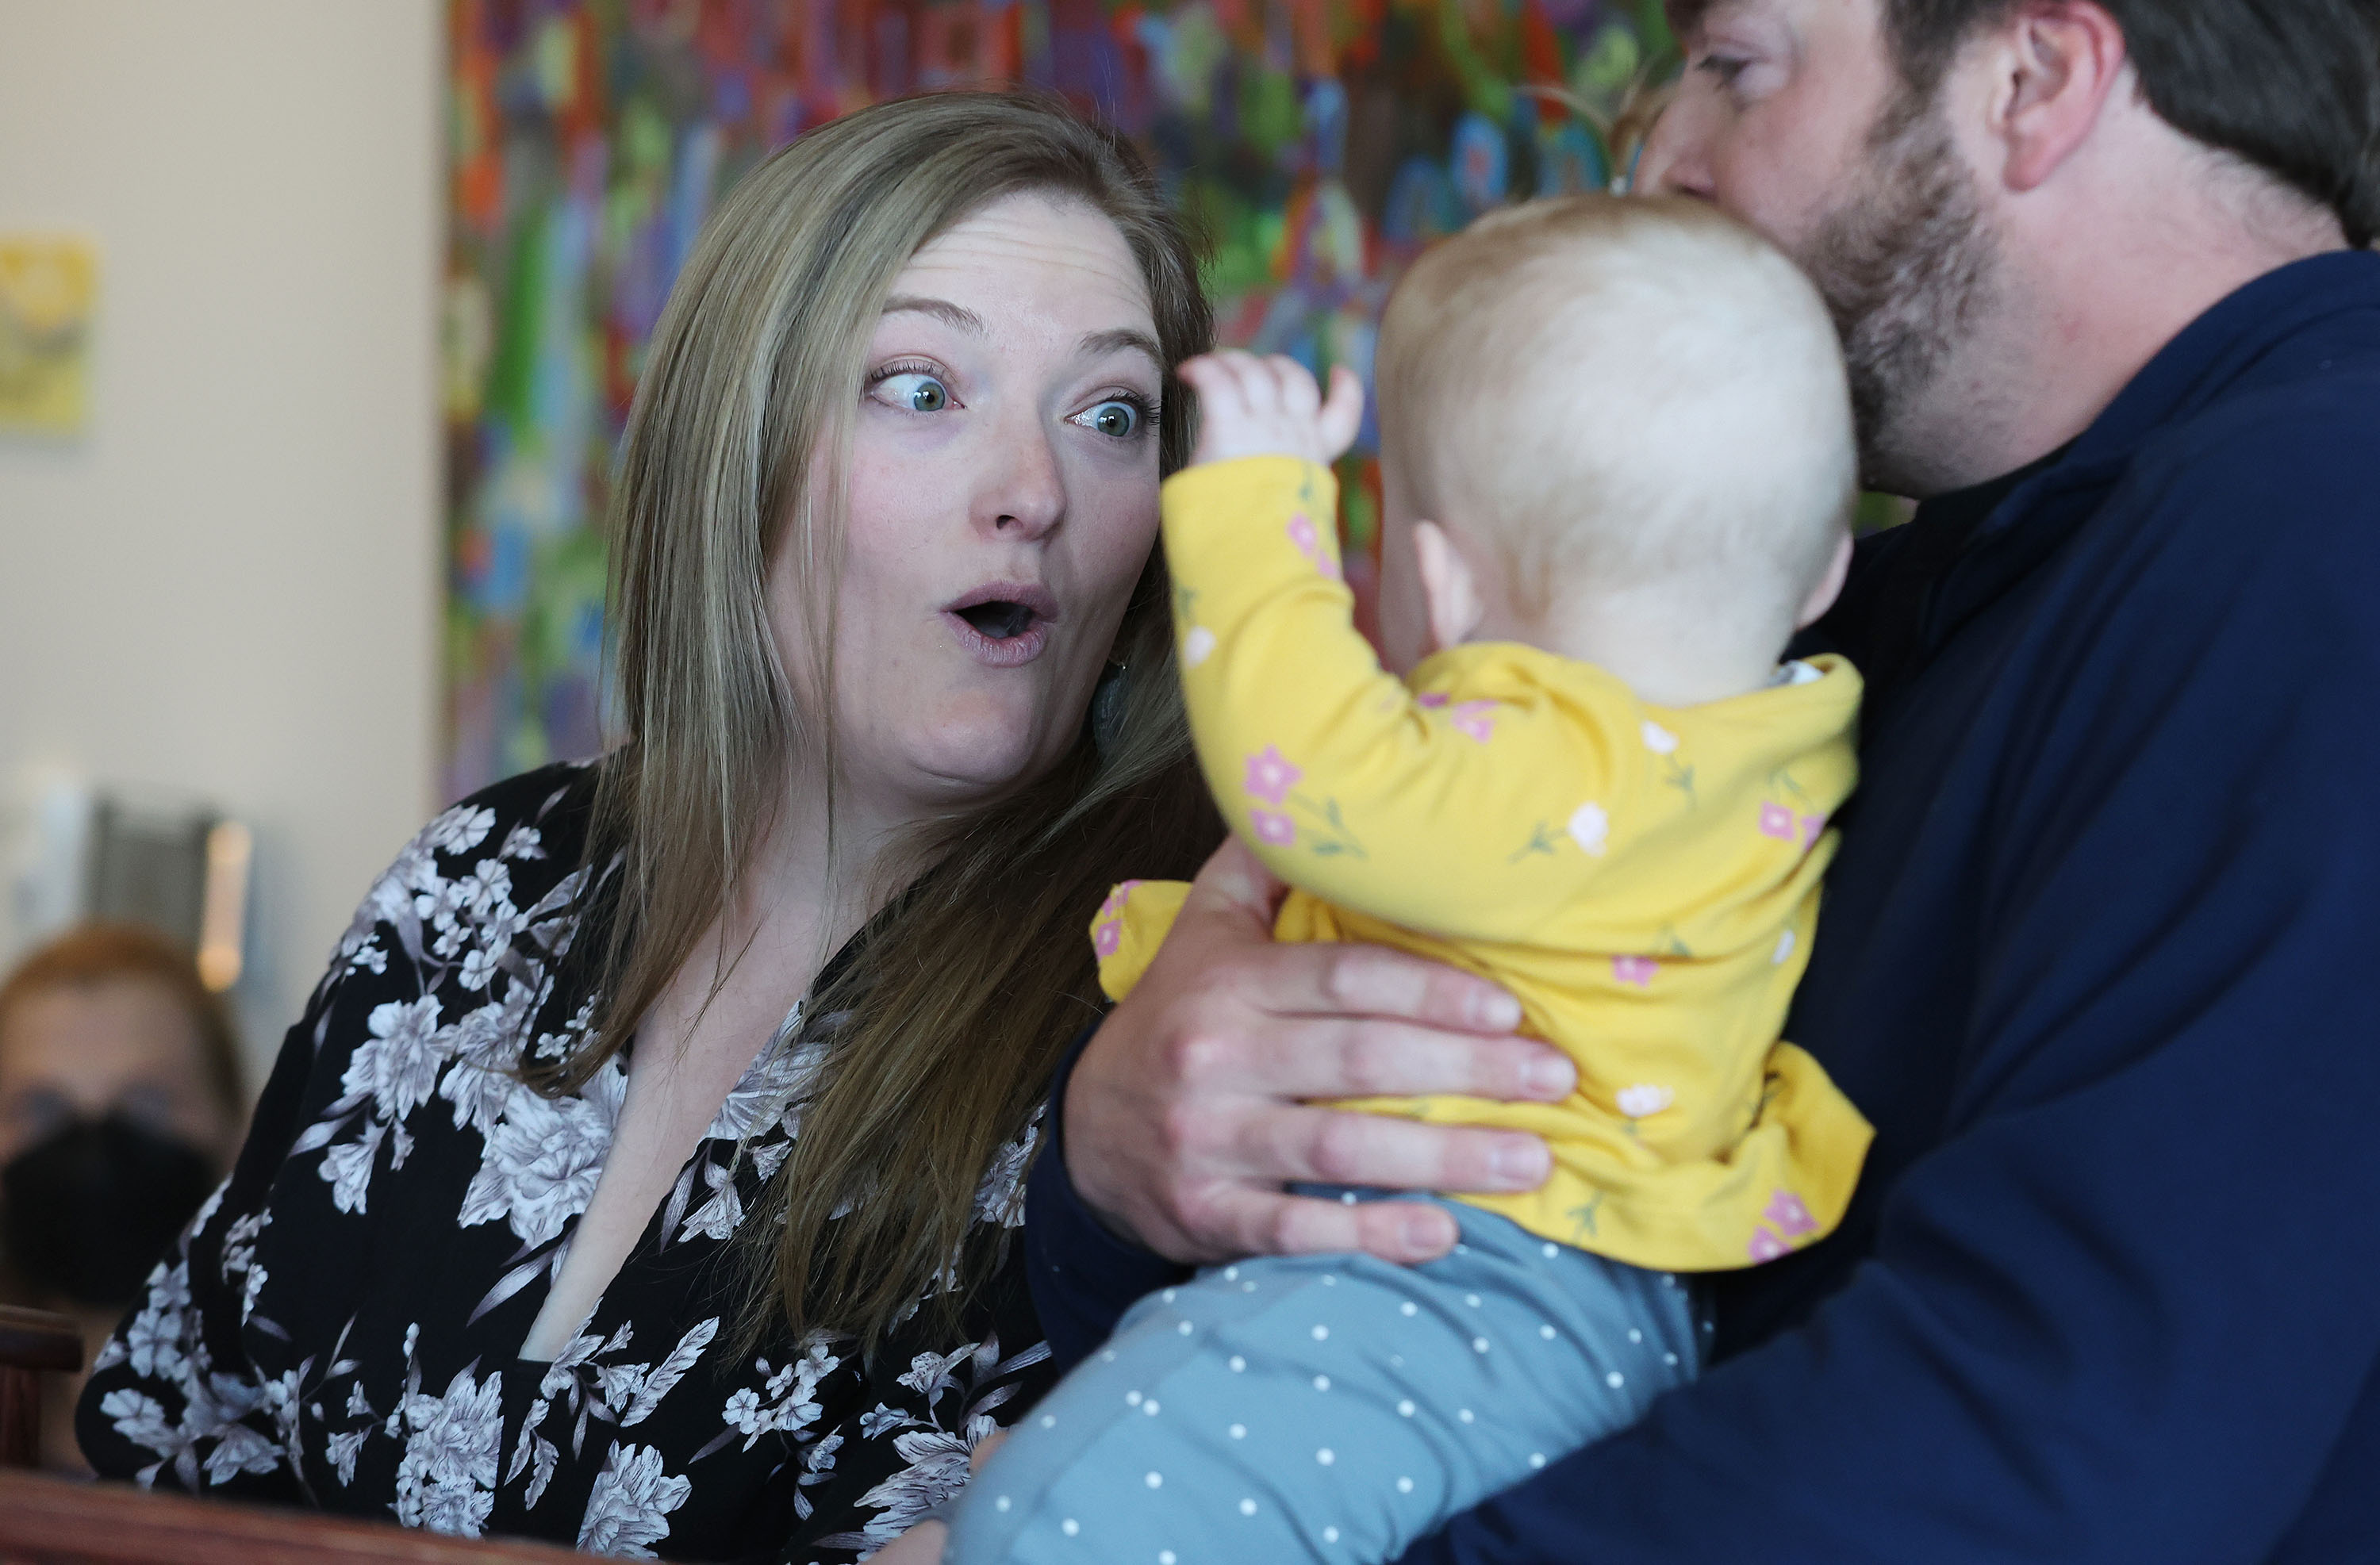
[120, 1106]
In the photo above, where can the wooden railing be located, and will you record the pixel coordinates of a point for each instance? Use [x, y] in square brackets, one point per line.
[31, 1343]
[46, 1520]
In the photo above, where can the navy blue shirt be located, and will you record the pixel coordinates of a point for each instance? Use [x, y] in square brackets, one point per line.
[2100, 959]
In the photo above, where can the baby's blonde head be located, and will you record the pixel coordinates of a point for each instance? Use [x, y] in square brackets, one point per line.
[1624, 399]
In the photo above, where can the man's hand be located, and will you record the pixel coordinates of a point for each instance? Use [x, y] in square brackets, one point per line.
[1251, 406]
[1184, 1114]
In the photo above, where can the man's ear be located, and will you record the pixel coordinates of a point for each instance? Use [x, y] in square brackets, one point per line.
[2055, 63]
[1830, 586]
[1449, 587]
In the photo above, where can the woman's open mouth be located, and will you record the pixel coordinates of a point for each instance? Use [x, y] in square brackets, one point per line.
[1004, 624]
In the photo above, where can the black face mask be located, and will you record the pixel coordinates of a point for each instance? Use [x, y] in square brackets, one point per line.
[85, 1212]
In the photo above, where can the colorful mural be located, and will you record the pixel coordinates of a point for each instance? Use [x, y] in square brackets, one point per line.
[1319, 143]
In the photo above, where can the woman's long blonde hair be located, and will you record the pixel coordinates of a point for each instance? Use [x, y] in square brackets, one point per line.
[961, 996]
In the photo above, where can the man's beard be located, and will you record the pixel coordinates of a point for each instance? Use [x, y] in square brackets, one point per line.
[1907, 266]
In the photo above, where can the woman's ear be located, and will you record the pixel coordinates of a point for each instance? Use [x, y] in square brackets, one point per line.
[1449, 587]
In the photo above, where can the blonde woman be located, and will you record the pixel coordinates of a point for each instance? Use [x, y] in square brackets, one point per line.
[641, 1174]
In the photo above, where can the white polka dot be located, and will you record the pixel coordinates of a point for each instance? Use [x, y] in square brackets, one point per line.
[1406, 1408]
[1247, 1287]
[1330, 1534]
[1549, 1251]
[1107, 1355]
[1155, 1480]
[1322, 1382]
[1536, 1459]
[1670, 1359]
[1164, 1556]
[1408, 1307]
[1463, 1414]
[1479, 1345]
[1131, 1398]
[1634, 1335]
[1547, 1332]
[1321, 1333]
[1239, 1431]
[1238, 1363]
[1346, 1198]
[1248, 1508]
[1462, 1249]
[1471, 1299]
[1196, 648]
[1404, 1486]
[1150, 1407]
[1000, 1504]
[1231, 1274]
[1183, 1328]
[1049, 1420]
[1330, 1280]
[1167, 1294]
[1326, 1456]
[1396, 1361]
[1615, 1379]
[1070, 1526]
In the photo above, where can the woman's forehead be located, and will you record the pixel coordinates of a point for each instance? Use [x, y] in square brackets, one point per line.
[1051, 255]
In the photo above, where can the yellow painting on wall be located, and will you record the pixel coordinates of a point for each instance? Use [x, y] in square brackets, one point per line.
[49, 293]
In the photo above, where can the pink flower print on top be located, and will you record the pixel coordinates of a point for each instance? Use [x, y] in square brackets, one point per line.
[1766, 1247]
[1107, 934]
[1273, 828]
[1432, 698]
[1271, 775]
[1777, 821]
[1637, 970]
[1810, 826]
[1476, 720]
[1301, 532]
[1791, 1218]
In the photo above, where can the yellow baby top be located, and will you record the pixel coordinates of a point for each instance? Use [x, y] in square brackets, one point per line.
[1644, 879]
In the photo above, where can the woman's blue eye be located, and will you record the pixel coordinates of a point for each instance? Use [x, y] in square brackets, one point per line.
[918, 392]
[1117, 418]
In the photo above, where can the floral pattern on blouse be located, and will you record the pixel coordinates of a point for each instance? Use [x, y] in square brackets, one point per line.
[340, 1324]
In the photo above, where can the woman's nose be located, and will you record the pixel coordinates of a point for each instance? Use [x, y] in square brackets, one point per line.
[1026, 494]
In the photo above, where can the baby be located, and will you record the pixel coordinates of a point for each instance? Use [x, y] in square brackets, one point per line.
[1617, 467]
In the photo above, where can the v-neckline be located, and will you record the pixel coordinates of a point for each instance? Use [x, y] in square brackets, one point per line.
[772, 1072]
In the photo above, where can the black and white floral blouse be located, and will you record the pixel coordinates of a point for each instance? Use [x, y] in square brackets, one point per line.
[341, 1326]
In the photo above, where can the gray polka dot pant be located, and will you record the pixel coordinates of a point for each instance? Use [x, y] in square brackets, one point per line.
[1329, 1408]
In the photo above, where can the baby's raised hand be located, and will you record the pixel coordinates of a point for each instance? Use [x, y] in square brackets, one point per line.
[1251, 406]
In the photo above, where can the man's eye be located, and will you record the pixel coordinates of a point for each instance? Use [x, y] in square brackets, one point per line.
[1116, 418]
[1724, 68]
[914, 391]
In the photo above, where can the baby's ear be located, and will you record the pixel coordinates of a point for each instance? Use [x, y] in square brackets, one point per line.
[1449, 587]
[1830, 586]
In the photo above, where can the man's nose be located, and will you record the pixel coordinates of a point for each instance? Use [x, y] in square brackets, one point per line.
[1675, 159]
[1026, 494]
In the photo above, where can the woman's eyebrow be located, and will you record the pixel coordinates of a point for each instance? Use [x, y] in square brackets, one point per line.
[1122, 339]
[955, 315]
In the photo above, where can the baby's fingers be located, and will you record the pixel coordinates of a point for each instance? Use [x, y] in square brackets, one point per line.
[1343, 414]
[1294, 384]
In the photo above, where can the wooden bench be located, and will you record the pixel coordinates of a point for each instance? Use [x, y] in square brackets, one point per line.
[46, 1520]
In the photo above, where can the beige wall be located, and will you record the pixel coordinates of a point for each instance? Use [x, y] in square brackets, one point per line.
[229, 586]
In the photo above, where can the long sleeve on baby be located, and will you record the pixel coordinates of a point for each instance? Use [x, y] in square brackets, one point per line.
[1474, 816]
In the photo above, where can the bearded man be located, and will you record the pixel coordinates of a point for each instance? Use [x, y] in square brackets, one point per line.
[2097, 955]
